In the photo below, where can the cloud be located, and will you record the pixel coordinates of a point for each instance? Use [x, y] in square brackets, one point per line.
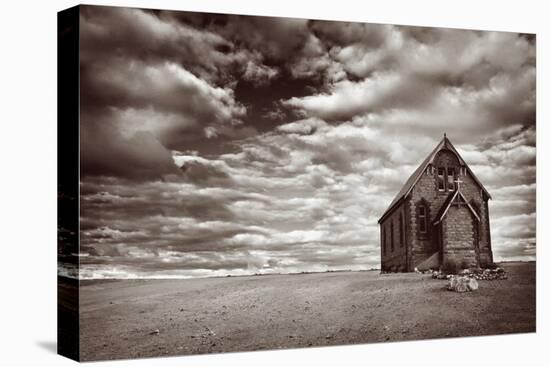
[202, 171]
[141, 111]
[136, 34]
[259, 74]
[140, 156]
[158, 97]
[346, 98]
[446, 78]
[275, 38]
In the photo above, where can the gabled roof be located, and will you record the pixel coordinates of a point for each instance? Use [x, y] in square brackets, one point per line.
[413, 179]
[446, 205]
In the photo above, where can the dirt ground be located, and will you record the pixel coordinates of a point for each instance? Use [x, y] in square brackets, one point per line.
[120, 319]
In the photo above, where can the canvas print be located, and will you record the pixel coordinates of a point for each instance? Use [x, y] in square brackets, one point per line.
[238, 183]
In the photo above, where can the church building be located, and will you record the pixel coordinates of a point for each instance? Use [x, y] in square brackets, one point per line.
[440, 217]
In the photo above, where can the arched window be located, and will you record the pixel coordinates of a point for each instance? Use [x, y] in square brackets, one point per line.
[384, 240]
[441, 179]
[401, 230]
[422, 219]
[450, 178]
[391, 236]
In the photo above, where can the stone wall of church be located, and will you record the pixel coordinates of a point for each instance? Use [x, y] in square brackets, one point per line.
[394, 258]
[459, 233]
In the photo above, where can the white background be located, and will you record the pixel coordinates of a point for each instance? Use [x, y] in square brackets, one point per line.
[28, 182]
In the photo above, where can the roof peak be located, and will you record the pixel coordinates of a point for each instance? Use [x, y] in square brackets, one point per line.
[445, 143]
[447, 203]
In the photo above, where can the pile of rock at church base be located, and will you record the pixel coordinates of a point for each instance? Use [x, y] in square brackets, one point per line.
[474, 273]
[486, 274]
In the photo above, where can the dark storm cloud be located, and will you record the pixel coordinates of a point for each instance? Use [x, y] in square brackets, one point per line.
[276, 38]
[105, 151]
[163, 100]
[164, 88]
[342, 34]
[146, 79]
[490, 75]
[215, 145]
[141, 35]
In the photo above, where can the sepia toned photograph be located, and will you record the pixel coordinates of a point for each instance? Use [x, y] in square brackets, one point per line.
[233, 183]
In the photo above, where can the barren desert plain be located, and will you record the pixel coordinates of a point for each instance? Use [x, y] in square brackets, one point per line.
[148, 318]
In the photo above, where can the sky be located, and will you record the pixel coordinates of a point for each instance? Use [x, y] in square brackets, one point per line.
[216, 145]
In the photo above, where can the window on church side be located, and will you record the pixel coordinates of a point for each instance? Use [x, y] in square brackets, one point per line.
[401, 230]
[441, 179]
[450, 178]
[391, 236]
[422, 224]
[384, 241]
